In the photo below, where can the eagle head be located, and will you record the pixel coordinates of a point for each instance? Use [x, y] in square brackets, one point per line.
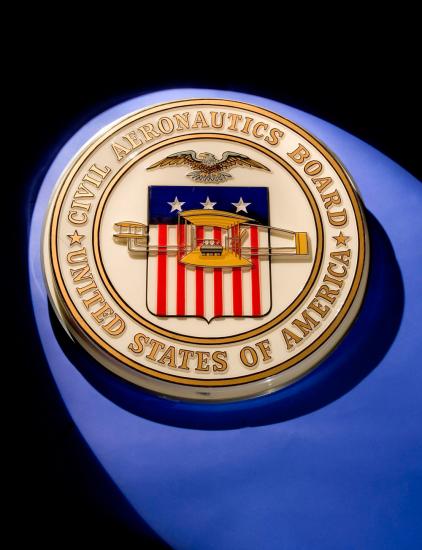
[207, 158]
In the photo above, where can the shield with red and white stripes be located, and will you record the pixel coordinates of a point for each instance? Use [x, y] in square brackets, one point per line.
[181, 290]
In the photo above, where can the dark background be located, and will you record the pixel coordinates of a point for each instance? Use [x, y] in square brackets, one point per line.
[368, 89]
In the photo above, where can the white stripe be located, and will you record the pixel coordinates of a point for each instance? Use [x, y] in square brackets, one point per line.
[190, 290]
[152, 271]
[247, 280]
[190, 303]
[227, 292]
[264, 272]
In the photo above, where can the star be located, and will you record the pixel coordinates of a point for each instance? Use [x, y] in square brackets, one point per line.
[75, 238]
[208, 205]
[176, 205]
[341, 239]
[241, 206]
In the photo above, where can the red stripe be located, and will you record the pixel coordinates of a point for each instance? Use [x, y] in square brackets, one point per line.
[162, 271]
[256, 291]
[181, 281]
[237, 279]
[218, 281]
[199, 274]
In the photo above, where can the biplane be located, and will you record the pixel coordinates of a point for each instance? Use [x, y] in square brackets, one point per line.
[197, 250]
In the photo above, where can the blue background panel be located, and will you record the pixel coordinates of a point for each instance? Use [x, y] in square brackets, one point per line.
[161, 195]
[334, 461]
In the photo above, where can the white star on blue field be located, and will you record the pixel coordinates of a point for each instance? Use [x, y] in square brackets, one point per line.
[167, 202]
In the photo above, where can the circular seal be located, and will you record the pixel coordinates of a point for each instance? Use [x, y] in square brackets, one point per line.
[206, 249]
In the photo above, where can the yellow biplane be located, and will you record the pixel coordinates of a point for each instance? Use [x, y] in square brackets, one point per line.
[211, 252]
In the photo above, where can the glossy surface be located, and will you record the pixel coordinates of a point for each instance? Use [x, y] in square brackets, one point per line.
[334, 461]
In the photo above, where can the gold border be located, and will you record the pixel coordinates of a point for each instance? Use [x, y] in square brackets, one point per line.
[243, 379]
[192, 339]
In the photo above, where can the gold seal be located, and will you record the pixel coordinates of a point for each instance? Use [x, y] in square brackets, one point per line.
[206, 249]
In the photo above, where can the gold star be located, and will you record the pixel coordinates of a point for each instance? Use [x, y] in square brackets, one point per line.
[341, 239]
[75, 238]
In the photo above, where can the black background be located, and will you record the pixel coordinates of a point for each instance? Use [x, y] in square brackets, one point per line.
[365, 87]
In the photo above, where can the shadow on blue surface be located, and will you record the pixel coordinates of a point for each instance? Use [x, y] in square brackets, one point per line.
[356, 356]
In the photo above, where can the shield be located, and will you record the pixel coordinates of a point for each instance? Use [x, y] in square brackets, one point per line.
[203, 256]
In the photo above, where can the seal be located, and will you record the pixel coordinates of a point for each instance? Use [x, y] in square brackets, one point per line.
[206, 249]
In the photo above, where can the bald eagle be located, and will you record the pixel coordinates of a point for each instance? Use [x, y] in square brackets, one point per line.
[207, 168]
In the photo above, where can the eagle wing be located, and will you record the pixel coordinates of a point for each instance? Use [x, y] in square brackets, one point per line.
[230, 160]
[183, 158]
